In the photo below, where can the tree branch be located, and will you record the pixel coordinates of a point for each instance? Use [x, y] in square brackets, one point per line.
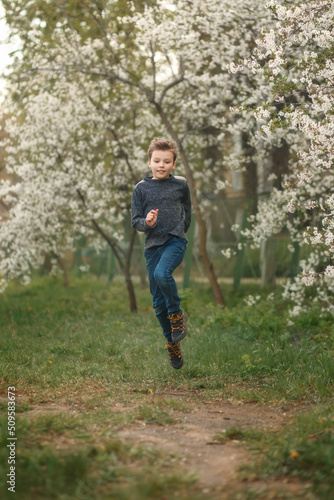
[116, 249]
[172, 84]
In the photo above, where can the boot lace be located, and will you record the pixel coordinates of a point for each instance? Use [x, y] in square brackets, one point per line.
[176, 322]
[174, 350]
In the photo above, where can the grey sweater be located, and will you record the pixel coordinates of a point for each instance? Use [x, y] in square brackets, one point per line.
[172, 197]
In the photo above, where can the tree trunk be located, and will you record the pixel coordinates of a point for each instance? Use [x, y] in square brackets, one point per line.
[200, 221]
[238, 269]
[295, 261]
[62, 266]
[129, 284]
[125, 266]
[268, 263]
[47, 262]
[189, 255]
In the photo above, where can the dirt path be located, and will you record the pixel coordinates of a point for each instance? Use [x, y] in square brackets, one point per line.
[191, 439]
[214, 465]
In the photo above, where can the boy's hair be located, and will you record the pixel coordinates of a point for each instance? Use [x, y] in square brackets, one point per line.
[162, 144]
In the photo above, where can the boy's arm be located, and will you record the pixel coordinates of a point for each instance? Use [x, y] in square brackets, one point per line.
[187, 209]
[138, 219]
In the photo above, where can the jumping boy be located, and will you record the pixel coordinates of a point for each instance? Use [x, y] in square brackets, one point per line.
[161, 208]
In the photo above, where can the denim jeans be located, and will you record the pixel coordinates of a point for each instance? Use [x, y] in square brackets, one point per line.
[161, 261]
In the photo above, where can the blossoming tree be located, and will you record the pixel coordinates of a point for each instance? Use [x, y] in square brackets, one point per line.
[68, 164]
[169, 60]
[294, 60]
[93, 92]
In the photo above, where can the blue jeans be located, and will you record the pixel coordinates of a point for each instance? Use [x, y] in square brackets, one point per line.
[161, 261]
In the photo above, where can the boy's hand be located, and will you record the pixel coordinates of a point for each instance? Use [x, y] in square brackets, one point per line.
[151, 217]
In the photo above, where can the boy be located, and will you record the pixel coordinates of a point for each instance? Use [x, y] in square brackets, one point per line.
[161, 207]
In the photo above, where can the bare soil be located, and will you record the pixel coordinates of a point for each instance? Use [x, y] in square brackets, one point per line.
[191, 440]
[216, 466]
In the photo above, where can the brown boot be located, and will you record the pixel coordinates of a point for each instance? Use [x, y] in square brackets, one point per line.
[175, 355]
[178, 323]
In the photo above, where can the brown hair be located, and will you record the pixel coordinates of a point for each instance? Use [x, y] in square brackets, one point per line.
[162, 144]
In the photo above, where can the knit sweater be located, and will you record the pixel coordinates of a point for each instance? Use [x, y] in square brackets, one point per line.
[172, 197]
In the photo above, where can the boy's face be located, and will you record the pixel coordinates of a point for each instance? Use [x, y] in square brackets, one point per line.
[162, 163]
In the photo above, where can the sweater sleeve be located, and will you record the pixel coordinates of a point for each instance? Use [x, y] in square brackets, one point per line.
[187, 208]
[138, 218]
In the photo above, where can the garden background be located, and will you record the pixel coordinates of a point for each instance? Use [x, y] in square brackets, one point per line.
[89, 403]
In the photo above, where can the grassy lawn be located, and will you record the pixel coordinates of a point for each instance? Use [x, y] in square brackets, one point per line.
[80, 347]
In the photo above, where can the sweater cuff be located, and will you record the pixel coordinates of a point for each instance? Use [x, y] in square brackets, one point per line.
[150, 227]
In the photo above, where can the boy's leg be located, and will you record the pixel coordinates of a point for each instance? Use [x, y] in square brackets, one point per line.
[152, 256]
[171, 257]
[172, 254]
[162, 316]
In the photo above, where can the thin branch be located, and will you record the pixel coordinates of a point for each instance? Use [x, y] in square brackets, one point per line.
[123, 152]
[154, 71]
[170, 64]
[130, 249]
[116, 249]
[168, 87]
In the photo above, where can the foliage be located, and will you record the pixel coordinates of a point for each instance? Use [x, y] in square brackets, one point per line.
[86, 98]
[73, 176]
[294, 61]
[96, 81]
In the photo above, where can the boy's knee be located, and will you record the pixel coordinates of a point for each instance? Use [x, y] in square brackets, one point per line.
[160, 275]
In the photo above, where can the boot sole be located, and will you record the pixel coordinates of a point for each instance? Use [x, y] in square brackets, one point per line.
[180, 337]
[176, 367]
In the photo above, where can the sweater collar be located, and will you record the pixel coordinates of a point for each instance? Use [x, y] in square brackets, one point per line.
[159, 180]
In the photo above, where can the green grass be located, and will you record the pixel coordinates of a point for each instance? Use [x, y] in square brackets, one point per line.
[303, 449]
[77, 337]
[106, 469]
[80, 347]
